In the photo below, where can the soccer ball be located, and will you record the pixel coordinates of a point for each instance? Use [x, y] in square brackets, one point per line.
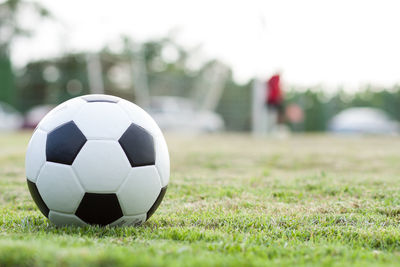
[99, 160]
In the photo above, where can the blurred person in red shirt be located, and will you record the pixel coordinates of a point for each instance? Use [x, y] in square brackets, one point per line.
[274, 96]
[274, 101]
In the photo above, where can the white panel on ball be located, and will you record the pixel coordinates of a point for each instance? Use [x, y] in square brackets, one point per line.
[59, 187]
[61, 114]
[102, 120]
[35, 155]
[140, 190]
[101, 166]
[62, 219]
[162, 160]
[130, 220]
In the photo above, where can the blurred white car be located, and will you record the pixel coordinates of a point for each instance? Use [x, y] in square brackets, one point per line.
[10, 119]
[363, 121]
[180, 115]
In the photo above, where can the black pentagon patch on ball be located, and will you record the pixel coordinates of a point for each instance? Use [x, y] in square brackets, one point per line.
[64, 143]
[99, 209]
[101, 98]
[138, 145]
[157, 203]
[38, 198]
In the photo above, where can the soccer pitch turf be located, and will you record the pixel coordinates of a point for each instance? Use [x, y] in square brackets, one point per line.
[232, 200]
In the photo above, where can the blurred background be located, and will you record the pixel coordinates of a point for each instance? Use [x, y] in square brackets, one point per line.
[266, 67]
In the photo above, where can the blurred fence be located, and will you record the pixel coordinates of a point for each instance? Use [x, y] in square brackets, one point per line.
[235, 107]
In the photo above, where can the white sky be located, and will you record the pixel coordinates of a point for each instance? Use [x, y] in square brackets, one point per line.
[341, 42]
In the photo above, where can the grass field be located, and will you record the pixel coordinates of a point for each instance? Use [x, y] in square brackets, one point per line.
[232, 201]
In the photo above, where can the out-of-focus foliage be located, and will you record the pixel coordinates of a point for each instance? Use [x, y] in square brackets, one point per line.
[12, 27]
[49, 81]
[319, 107]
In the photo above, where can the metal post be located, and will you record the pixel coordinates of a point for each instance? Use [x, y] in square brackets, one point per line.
[259, 109]
[95, 75]
[140, 81]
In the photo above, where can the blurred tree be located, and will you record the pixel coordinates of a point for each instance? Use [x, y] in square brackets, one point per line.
[11, 28]
[52, 81]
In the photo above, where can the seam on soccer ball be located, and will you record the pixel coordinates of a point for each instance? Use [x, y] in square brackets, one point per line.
[38, 174]
[79, 180]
